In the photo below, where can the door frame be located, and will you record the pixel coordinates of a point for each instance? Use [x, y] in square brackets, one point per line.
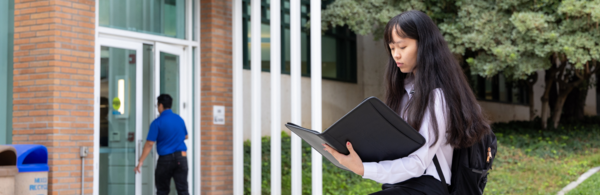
[192, 52]
[139, 70]
[186, 107]
[185, 95]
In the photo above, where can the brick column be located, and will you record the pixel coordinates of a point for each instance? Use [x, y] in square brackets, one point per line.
[53, 86]
[216, 89]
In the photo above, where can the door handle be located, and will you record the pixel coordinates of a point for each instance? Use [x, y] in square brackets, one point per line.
[140, 150]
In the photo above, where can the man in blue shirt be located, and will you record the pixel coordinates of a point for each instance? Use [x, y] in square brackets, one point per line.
[169, 133]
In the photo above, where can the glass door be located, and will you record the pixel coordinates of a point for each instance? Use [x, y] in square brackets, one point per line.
[120, 116]
[173, 76]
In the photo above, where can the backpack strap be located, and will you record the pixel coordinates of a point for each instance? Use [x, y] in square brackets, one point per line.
[440, 173]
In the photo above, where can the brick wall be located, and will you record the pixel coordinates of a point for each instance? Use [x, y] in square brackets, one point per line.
[53, 85]
[216, 89]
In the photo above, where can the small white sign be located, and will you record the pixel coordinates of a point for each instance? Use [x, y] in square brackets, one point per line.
[219, 115]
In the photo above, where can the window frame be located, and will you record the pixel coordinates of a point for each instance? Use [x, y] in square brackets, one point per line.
[189, 9]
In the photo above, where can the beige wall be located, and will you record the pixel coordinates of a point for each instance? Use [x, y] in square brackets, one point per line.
[341, 97]
[373, 57]
[504, 112]
[337, 99]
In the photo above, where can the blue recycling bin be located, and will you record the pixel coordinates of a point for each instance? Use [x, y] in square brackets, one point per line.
[32, 162]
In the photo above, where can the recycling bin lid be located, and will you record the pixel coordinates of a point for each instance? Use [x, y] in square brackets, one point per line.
[32, 158]
[8, 161]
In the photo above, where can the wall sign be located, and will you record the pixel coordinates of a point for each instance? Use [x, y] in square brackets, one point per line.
[219, 115]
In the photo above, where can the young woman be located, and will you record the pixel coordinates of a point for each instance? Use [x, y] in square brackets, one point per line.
[427, 88]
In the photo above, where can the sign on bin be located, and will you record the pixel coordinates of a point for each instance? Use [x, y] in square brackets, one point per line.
[35, 183]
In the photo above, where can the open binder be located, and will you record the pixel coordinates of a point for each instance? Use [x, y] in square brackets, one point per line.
[376, 132]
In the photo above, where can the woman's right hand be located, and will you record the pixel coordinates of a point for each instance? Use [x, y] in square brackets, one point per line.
[351, 161]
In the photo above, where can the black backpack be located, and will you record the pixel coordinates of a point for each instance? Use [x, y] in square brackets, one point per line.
[470, 167]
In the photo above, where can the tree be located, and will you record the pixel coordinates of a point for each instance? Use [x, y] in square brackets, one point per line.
[575, 53]
[515, 37]
[487, 29]
[536, 37]
[509, 36]
[370, 16]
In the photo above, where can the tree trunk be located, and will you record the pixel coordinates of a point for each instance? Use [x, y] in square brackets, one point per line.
[560, 101]
[549, 84]
[549, 79]
[553, 96]
[566, 84]
[581, 103]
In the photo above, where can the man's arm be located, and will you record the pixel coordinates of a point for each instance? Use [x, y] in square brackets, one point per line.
[147, 149]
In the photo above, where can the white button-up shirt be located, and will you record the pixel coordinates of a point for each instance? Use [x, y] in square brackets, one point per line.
[402, 169]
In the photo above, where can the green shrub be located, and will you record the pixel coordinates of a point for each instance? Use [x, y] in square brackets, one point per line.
[529, 161]
[535, 161]
[570, 138]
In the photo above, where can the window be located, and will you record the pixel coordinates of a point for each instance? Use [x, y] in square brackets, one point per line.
[339, 54]
[6, 70]
[159, 17]
[499, 89]
[338, 45]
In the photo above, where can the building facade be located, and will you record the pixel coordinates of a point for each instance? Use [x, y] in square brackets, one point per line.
[86, 73]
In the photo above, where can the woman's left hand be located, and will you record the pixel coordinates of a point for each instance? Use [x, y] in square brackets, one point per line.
[351, 161]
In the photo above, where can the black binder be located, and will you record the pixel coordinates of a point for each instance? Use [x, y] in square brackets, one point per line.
[376, 132]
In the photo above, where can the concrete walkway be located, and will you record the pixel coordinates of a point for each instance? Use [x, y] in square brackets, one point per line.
[580, 180]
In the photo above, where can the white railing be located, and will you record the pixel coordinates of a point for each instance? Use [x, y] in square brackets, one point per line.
[296, 115]
[315, 68]
[295, 69]
[275, 100]
[238, 121]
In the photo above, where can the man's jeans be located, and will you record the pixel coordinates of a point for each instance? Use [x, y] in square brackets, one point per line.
[171, 166]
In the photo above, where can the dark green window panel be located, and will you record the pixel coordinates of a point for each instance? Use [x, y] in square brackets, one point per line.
[499, 89]
[338, 45]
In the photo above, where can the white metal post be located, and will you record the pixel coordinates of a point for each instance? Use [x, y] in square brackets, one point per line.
[190, 54]
[238, 112]
[96, 183]
[315, 73]
[295, 54]
[275, 97]
[197, 105]
[255, 99]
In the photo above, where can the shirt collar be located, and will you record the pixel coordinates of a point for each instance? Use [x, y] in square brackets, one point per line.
[166, 111]
[408, 84]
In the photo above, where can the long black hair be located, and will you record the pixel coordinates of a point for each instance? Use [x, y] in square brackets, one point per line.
[435, 68]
